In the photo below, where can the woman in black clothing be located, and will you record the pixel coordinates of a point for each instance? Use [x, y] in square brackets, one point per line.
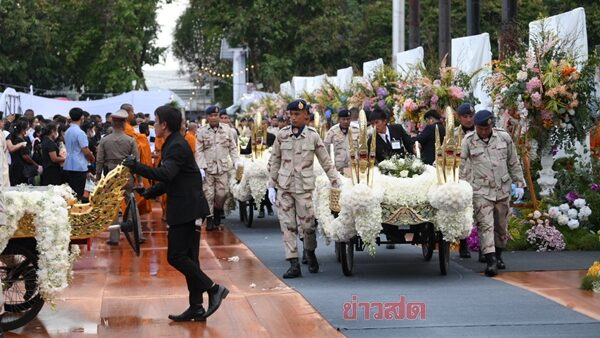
[51, 159]
[20, 159]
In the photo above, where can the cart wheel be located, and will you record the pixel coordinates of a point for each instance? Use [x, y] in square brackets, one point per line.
[428, 244]
[347, 257]
[444, 253]
[130, 226]
[242, 207]
[248, 212]
[18, 271]
[338, 255]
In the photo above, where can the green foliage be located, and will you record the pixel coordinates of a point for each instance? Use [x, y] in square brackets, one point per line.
[517, 228]
[101, 45]
[588, 281]
[579, 239]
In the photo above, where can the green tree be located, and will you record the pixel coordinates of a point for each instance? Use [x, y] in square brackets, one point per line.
[101, 45]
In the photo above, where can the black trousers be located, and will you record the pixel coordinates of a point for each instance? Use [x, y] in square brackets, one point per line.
[182, 253]
[76, 180]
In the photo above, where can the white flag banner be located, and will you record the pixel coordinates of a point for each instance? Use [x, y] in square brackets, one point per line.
[370, 67]
[344, 76]
[408, 62]
[471, 54]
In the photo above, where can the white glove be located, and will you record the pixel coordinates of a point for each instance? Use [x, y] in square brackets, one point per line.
[202, 173]
[519, 192]
[272, 195]
[40, 169]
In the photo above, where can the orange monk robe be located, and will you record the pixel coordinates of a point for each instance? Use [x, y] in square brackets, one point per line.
[595, 140]
[191, 140]
[143, 144]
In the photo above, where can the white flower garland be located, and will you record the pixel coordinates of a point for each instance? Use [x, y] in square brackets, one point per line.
[254, 181]
[454, 204]
[361, 211]
[53, 234]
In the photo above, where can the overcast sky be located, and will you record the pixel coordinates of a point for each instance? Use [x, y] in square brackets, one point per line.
[167, 17]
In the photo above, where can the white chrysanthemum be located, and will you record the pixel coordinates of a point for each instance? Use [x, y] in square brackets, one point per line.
[563, 219]
[537, 214]
[564, 207]
[572, 213]
[554, 212]
[404, 173]
[573, 224]
[579, 203]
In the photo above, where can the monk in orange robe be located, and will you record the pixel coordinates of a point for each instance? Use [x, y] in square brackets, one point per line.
[190, 135]
[143, 144]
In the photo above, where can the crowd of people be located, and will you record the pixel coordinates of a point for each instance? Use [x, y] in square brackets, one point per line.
[189, 164]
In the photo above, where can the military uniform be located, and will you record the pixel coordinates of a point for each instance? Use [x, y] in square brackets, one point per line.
[490, 166]
[291, 169]
[111, 151]
[216, 153]
[341, 144]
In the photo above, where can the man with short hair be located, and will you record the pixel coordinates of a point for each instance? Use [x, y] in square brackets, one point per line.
[490, 164]
[216, 150]
[179, 178]
[391, 139]
[224, 117]
[291, 172]
[426, 137]
[338, 137]
[78, 154]
[466, 111]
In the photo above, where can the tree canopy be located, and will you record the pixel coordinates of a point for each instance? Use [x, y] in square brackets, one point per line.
[302, 37]
[99, 46]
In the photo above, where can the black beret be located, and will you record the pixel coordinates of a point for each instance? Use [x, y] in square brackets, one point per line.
[378, 114]
[223, 112]
[344, 113]
[465, 109]
[484, 118]
[243, 119]
[432, 113]
[212, 110]
[298, 105]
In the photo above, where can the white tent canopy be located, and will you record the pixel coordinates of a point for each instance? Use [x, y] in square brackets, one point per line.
[409, 61]
[142, 101]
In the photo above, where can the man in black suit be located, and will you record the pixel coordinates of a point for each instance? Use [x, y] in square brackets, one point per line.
[391, 139]
[426, 138]
[179, 177]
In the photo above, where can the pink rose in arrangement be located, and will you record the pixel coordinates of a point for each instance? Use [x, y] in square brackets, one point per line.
[537, 99]
[533, 84]
[456, 92]
[410, 105]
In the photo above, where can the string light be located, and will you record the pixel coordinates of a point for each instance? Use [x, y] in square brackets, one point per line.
[212, 72]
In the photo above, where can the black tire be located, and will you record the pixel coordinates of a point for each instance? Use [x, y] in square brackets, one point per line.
[347, 257]
[338, 255]
[249, 212]
[429, 241]
[242, 207]
[18, 271]
[130, 226]
[444, 254]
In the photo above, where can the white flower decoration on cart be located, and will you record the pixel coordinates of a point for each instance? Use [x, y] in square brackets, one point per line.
[53, 234]
[254, 181]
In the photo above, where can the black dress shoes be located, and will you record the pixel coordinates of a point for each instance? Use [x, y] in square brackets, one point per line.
[216, 294]
[261, 214]
[192, 314]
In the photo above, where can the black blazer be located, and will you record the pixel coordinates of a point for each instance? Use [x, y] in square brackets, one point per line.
[427, 140]
[397, 133]
[178, 177]
[248, 149]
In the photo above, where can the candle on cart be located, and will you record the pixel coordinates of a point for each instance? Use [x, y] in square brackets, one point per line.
[417, 149]
[332, 153]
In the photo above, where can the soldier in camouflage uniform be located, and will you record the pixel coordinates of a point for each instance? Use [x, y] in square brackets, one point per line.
[466, 111]
[338, 136]
[216, 150]
[490, 164]
[291, 170]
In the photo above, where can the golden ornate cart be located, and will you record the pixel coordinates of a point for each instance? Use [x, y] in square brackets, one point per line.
[18, 261]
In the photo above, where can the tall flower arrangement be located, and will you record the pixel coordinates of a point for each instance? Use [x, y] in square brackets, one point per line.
[415, 94]
[376, 91]
[544, 91]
